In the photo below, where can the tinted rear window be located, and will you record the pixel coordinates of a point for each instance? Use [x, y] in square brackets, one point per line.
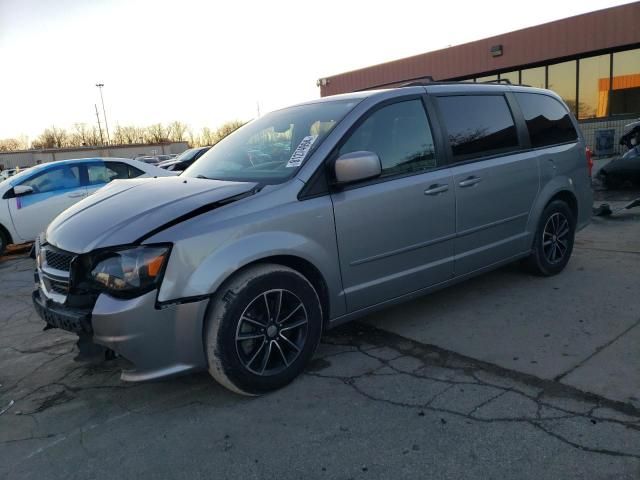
[478, 125]
[547, 119]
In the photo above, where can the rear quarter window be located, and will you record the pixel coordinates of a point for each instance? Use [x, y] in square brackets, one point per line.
[548, 120]
[478, 125]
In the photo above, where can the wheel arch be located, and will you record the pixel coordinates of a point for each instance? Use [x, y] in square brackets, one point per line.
[559, 188]
[301, 265]
[567, 197]
[210, 269]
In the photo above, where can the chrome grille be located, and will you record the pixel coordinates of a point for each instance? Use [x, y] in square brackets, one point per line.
[56, 286]
[58, 260]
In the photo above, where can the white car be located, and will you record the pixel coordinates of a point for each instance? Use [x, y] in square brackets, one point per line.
[32, 198]
[4, 174]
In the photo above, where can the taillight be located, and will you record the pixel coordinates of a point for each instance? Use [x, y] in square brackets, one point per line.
[589, 154]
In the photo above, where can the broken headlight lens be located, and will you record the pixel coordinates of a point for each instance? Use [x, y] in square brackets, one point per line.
[129, 272]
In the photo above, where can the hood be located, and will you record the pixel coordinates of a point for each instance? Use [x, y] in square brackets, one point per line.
[125, 211]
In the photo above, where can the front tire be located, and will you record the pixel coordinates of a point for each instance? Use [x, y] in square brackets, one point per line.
[262, 328]
[553, 241]
[4, 241]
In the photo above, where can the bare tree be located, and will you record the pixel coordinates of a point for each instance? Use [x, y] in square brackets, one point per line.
[83, 135]
[207, 137]
[156, 133]
[225, 129]
[51, 138]
[9, 144]
[88, 135]
[60, 136]
[128, 134]
[192, 138]
[176, 131]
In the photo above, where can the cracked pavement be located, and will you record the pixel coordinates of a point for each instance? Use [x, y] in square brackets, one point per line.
[371, 405]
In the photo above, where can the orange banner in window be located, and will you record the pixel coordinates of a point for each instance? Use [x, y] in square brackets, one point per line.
[619, 83]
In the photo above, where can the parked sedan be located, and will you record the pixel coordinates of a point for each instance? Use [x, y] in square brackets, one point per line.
[10, 172]
[184, 160]
[32, 198]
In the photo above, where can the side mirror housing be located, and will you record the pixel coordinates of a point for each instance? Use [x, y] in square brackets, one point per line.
[21, 190]
[355, 166]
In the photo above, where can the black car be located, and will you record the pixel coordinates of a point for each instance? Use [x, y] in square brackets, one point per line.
[184, 160]
[625, 170]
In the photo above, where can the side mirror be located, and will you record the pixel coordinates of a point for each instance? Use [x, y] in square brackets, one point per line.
[355, 166]
[21, 190]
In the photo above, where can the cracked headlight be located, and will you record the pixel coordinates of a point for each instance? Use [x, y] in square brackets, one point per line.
[129, 272]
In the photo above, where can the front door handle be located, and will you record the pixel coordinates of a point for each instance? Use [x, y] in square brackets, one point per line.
[76, 195]
[470, 182]
[436, 189]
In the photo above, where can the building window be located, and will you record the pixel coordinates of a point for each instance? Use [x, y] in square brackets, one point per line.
[478, 125]
[593, 91]
[534, 77]
[488, 78]
[625, 88]
[513, 77]
[562, 80]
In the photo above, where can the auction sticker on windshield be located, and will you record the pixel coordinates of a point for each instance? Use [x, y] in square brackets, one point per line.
[302, 150]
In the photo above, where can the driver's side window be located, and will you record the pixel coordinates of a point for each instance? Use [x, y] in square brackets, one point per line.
[63, 177]
[400, 135]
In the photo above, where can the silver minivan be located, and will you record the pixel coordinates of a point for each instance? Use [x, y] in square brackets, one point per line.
[312, 216]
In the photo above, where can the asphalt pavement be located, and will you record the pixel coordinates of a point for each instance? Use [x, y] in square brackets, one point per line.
[505, 376]
[580, 328]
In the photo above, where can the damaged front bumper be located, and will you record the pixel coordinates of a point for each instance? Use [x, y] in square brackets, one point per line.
[158, 341]
[57, 316]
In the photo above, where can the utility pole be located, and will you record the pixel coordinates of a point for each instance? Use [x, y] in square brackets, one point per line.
[99, 126]
[104, 113]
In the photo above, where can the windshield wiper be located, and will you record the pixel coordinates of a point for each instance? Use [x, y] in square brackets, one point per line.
[202, 176]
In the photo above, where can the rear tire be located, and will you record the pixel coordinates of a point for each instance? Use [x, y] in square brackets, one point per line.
[262, 328]
[553, 241]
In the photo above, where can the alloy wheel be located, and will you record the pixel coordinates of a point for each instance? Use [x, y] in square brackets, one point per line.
[271, 332]
[555, 238]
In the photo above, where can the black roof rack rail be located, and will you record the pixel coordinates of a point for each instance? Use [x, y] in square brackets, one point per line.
[419, 83]
[502, 80]
[423, 83]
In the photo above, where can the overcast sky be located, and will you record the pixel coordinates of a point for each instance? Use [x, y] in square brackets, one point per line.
[205, 62]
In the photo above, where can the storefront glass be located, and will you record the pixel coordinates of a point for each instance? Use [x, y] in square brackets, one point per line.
[534, 77]
[488, 78]
[625, 88]
[562, 80]
[513, 77]
[593, 91]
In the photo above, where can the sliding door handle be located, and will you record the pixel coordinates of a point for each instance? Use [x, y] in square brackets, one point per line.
[470, 182]
[436, 189]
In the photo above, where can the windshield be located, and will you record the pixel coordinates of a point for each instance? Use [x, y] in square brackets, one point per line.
[186, 155]
[272, 148]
